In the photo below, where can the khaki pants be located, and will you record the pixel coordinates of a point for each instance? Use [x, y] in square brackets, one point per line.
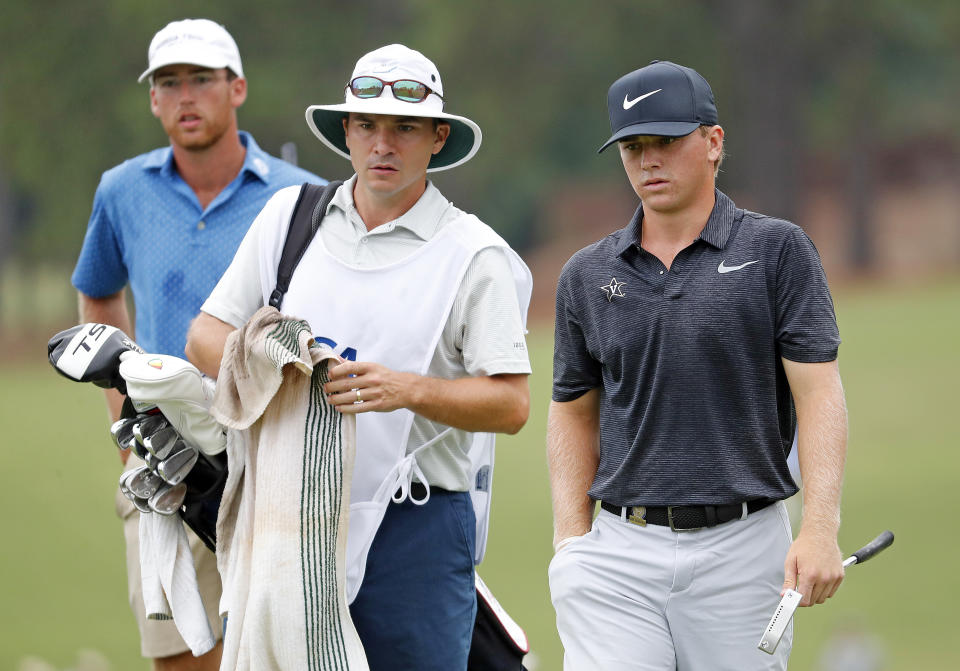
[160, 638]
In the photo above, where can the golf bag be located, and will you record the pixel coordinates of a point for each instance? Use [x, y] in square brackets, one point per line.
[94, 353]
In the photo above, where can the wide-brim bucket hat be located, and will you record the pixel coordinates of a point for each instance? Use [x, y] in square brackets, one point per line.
[392, 63]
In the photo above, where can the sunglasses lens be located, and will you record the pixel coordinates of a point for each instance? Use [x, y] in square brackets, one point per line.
[366, 87]
[409, 91]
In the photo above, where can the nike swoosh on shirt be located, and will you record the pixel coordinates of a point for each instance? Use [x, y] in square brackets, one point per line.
[627, 103]
[729, 269]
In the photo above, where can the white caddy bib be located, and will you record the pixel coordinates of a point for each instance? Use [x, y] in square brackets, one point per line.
[394, 315]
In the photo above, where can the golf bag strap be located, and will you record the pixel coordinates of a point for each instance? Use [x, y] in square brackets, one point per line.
[304, 222]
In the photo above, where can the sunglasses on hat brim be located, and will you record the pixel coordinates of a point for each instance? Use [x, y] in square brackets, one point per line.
[407, 90]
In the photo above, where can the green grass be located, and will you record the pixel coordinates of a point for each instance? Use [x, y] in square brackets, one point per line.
[64, 584]
[62, 563]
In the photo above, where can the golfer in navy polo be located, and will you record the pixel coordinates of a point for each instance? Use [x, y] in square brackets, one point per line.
[690, 346]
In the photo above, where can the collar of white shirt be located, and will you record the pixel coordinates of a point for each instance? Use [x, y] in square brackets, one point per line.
[423, 219]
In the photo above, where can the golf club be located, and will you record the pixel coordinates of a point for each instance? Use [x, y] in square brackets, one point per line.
[164, 442]
[122, 432]
[144, 483]
[176, 467]
[148, 426]
[791, 599]
[168, 499]
[139, 503]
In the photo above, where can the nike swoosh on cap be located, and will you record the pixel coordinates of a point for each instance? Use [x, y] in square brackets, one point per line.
[729, 269]
[627, 103]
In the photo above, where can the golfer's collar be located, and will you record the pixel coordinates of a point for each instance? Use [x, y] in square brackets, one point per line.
[160, 159]
[423, 219]
[720, 223]
[715, 233]
[255, 162]
[631, 234]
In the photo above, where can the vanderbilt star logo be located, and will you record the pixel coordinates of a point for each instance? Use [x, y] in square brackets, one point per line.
[615, 288]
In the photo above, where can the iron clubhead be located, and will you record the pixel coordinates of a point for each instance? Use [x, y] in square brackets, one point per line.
[135, 444]
[139, 503]
[143, 505]
[164, 442]
[149, 426]
[144, 483]
[124, 489]
[168, 499]
[122, 432]
[177, 466]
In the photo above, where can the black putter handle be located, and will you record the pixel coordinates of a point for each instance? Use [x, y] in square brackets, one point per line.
[878, 544]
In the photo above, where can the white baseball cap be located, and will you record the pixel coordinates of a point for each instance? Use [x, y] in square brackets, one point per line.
[195, 42]
[392, 63]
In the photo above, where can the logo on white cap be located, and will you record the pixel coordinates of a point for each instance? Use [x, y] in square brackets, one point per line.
[385, 67]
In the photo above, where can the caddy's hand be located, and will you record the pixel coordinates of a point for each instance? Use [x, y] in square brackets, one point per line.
[362, 386]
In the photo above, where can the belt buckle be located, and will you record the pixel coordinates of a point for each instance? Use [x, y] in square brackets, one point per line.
[638, 516]
[674, 528]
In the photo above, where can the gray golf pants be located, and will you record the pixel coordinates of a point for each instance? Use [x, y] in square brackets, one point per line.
[631, 598]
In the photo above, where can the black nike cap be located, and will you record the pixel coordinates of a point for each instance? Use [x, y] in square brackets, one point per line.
[662, 98]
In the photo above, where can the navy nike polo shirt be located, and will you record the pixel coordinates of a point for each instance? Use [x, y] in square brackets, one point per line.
[695, 407]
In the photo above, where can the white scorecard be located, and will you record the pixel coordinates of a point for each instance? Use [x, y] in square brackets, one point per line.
[778, 623]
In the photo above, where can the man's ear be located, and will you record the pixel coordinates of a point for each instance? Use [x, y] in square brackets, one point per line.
[715, 139]
[154, 107]
[238, 91]
[443, 132]
[346, 130]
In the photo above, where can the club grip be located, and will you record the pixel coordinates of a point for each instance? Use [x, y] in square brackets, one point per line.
[878, 544]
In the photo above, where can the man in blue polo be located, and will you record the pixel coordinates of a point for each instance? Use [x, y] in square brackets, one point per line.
[689, 346]
[167, 223]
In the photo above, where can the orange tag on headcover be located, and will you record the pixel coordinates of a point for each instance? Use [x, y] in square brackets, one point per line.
[156, 363]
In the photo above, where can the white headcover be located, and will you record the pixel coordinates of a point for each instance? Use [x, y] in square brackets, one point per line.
[180, 391]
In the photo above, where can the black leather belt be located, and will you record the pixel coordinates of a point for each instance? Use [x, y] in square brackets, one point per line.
[418, 491]
[685, 518]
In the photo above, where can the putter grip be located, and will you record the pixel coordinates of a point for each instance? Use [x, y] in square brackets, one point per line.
[878, 544]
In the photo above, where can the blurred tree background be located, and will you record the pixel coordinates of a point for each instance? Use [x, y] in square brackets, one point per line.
[838, 115]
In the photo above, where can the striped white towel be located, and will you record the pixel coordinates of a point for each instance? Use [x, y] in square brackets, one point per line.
[282, 527]
[169, 581]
